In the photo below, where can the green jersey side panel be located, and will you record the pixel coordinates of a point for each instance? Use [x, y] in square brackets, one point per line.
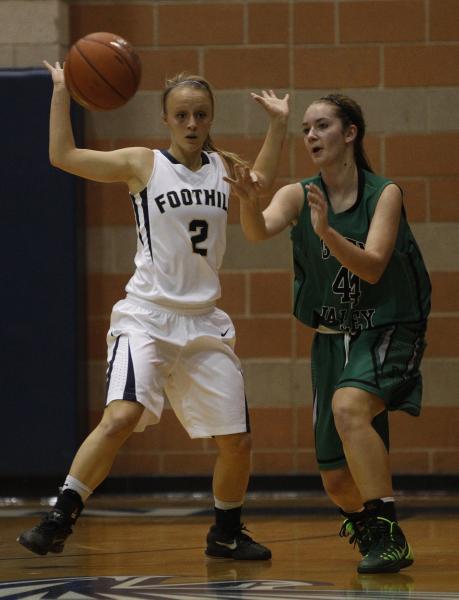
[326, 293]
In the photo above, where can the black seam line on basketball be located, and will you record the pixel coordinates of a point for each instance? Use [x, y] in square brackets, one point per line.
[101, 76]
[80, 93]
[119, 54]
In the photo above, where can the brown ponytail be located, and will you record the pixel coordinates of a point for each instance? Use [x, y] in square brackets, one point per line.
[350, 113]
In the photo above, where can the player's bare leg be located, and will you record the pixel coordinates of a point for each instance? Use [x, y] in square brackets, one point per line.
[380, 538]
[90, 466]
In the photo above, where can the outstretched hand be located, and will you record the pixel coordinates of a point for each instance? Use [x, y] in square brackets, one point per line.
[319, 209]
[57, 72]
[274, 106]
[244, 184]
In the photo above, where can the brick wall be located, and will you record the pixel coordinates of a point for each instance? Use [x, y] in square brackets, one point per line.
[399, 59]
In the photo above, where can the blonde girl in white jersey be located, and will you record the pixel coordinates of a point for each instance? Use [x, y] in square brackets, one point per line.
[166, 337]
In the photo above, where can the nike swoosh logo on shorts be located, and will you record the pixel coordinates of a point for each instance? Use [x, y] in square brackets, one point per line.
[223, 334]
[231, 546]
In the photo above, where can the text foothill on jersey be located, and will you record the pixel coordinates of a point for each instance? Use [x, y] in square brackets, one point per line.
[187, 197]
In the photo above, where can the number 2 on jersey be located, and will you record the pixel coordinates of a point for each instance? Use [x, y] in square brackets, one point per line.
[202, 228]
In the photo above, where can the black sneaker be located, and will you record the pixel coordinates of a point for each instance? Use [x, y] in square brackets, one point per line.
[389, 551]
[238, 546]
[49, 535]
[358, 533]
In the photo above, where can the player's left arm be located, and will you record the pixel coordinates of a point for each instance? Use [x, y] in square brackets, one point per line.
[370, 263]
[267, 162]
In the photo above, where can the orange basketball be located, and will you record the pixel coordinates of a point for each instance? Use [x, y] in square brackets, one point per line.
[102, 71]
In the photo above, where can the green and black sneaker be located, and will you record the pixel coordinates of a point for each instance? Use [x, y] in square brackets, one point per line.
[358, 533]
[389, 551]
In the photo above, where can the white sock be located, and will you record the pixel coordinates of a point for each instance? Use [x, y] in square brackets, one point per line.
[223, 505]
[71, 483]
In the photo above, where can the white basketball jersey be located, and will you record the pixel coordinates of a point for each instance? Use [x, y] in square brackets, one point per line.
[181, 232]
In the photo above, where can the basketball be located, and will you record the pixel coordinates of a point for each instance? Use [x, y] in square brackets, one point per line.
[102, 71]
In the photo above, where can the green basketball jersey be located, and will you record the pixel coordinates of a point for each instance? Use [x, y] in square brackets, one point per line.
[326, 293]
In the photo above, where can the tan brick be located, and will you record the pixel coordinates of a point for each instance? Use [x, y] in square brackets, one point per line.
[241, 254]
[33, 22]
[233, 293]
[414, 198]
[304, 337]
[139, 118]
[6, 55]
[314, 22]
[248, 148]
[307, 463]
[270, 293]
[301, 383]
[304, 430]
[411, 462]
[445, 462]
[444, 17]
[280, 462]
[219, 67]
[421, 66]
[96, 335]
[145, 464]
[382, 21]
[443, 109]
[159, 65]
[268, 383]
[31, 55]
[134, 22]
[443, 336]
[188, 464]
[268, 23]
[107, 204]
[439, 244]
[418, 155]
[110, 249]
[441, 380]
[417, 433]
[102, 291]
[200, 24]
[395, 110]
[272, 428]
[343, 67]
[256, 336]
[443, 199]
[445, 291]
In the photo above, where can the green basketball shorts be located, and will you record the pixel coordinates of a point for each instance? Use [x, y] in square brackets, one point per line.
[383, 361]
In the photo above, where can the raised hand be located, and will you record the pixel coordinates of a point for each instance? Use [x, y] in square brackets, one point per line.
[244, 184]
[57, 72]
[319, 209]
[274, 106]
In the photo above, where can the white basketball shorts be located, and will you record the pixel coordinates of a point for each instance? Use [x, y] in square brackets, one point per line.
[155, 352]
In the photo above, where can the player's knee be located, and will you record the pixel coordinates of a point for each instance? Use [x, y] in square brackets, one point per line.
[239, 444]
[119, 421]
[348, 415]
[336, 482]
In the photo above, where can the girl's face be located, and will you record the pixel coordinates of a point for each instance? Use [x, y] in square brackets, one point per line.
[189, 117]
[325, 139]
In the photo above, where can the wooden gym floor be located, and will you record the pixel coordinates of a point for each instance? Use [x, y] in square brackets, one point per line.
[153, 547]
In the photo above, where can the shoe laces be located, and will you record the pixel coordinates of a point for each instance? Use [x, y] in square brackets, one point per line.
[241, 536]
[54, 519]
[384, 533]
[349, 529]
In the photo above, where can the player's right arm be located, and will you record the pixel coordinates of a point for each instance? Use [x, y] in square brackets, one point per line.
[130, 165]
[283, 210]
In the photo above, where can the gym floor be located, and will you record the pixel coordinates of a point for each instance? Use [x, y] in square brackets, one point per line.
[152, 546]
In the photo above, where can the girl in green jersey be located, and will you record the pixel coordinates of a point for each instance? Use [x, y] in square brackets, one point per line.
[361, 283]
